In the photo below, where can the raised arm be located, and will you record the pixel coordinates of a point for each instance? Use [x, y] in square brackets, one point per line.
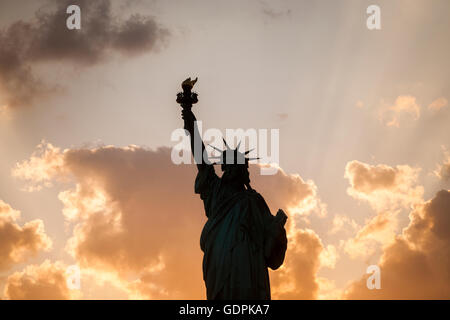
[186, 99]
[197, 145]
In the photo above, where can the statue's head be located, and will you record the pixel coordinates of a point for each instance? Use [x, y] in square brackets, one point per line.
[234, 165]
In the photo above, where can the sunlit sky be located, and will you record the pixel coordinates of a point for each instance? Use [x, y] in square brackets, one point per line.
[337, 91]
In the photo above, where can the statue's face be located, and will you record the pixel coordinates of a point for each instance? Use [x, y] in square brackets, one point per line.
[237, 173]
[235, 168]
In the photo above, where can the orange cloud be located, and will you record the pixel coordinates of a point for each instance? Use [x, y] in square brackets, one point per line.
[17, 242]
[343, 223]
[359, 104]
[388, 190]
[137, 220]
[296, 279]
[416, 265]
[383, 186]
[379, 230]
[43, 165]
[443, 170]
[47, 281]
[438, 104]
[405, 108]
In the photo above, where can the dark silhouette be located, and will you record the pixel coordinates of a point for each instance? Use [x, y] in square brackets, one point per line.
[241, 238]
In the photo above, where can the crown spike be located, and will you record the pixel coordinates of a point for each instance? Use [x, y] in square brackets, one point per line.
[248, 151]
[217, 149]
[226, 144]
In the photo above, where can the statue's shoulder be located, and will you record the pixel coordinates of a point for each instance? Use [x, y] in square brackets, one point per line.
[255, 195]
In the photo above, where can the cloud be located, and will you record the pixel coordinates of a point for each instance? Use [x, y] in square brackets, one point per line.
[343, 223]
[359, 104]
[46, 38]
[47, 281]
[443, 170]
[438, 104]
[137, 220]
[328, 289]
[379, 230]
[383, 186]
[44, 164]
[416, 265]
[306, 255]
[388, 190]
[404, 109]
[297, 278]
[17, 243]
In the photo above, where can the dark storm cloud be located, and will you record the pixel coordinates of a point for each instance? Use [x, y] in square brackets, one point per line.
[47, 38]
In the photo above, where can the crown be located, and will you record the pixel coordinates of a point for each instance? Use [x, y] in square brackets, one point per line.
[232, 156]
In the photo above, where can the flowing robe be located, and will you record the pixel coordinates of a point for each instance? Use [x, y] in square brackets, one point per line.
[239, 240]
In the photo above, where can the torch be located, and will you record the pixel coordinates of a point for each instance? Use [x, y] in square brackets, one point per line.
[187, 98]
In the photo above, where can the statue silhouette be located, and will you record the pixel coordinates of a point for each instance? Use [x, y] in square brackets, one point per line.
[241, 238]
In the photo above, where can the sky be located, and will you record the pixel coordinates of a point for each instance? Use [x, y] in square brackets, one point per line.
[86, 118]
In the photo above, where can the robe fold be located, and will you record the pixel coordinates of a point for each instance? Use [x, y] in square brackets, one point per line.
[240, 240]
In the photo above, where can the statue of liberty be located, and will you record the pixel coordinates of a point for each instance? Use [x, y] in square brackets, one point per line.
[241, 238]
